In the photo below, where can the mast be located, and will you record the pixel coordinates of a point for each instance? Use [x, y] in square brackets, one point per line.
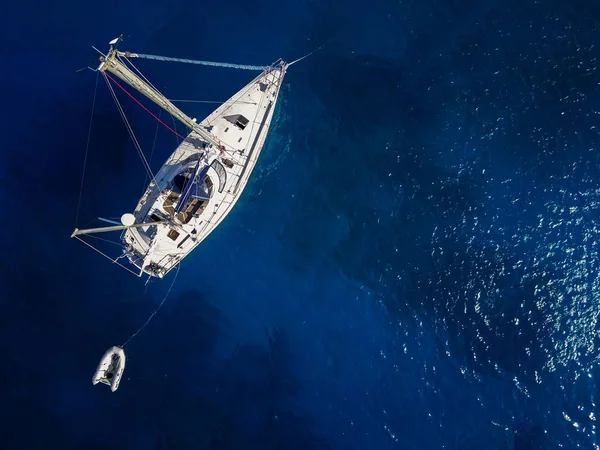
[112, 63]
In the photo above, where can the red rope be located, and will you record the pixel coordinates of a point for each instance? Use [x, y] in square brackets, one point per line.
[147, 110]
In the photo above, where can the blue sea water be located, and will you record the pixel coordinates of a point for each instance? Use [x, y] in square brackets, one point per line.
[413, 264]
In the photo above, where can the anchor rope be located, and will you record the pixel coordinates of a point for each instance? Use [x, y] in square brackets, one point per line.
[145, 324]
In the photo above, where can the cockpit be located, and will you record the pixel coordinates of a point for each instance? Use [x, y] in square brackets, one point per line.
[189, 193]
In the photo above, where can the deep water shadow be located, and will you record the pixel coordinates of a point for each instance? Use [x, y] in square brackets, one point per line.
[260, 404]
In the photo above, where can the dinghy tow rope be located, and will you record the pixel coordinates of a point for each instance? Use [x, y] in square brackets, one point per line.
[111, 374]
[145, 324]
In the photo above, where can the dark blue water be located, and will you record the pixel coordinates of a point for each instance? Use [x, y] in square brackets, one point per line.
[413, 264]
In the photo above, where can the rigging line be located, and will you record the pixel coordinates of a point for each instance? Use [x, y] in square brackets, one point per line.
[157, 91]
[123, 116]
[89, 223]
[204, 63]
[262, 98]
[152, 151]
[155, 311]
[242, 93]
[210, 101]
[130, 130]
[174, 127]
[155, 135]
[151, 85]
[106, 256]
[145, 186]
[87, 147]
[279, 81]
[105, 240]
[121, 58]
[139, 72]
[146, 109]
[132, 134]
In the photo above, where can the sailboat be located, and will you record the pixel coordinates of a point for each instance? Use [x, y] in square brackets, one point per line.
[203, 178]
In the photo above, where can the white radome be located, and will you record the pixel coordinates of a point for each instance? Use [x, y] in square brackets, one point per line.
[128, 219]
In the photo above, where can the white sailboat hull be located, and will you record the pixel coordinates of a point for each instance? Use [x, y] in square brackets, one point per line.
[241, 124]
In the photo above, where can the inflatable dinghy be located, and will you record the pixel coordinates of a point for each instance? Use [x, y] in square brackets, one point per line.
[111, 367]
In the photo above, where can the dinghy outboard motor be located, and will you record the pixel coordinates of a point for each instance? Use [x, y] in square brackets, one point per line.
[111, 368]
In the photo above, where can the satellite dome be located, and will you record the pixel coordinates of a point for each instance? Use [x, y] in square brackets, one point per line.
[127, 219]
